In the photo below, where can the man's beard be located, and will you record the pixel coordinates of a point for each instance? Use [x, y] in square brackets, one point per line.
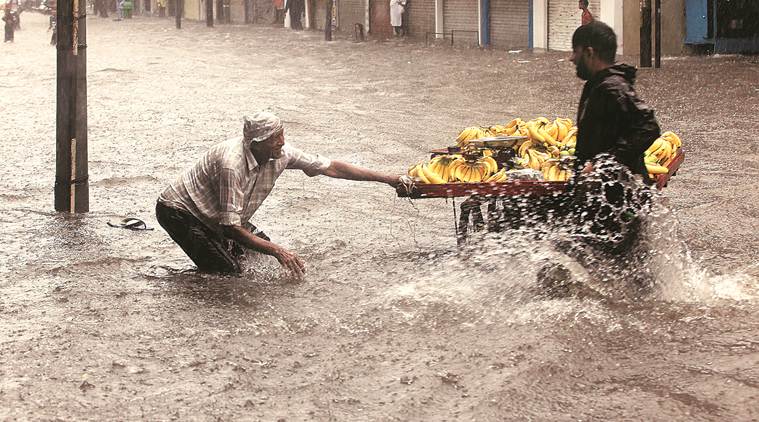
[583, 72]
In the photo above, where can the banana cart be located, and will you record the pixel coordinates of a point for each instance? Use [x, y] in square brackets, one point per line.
[470, 216]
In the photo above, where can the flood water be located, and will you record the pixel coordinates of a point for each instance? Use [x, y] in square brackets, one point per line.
[392, 321]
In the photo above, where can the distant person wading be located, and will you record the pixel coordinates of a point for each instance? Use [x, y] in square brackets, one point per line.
[587, 17]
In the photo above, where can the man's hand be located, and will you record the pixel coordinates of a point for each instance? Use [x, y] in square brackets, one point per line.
[588, 168]
[290, 261]
[394, 181]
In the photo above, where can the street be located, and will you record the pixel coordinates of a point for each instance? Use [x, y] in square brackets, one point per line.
[391, 322]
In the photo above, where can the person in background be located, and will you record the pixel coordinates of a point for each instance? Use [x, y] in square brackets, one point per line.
[587, 17]
[119, 10]
[10, 24]
[53, 26]
[206, 211]
[296, 9]
[396, 16]
[279, 12]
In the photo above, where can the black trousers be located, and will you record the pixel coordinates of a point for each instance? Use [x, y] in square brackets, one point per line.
[210, 251]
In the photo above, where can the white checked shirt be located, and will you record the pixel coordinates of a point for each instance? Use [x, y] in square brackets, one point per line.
[227, 185]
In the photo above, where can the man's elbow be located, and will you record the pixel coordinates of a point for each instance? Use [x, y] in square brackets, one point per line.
[230, 232]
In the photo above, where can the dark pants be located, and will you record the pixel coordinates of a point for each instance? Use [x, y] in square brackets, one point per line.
[210, 251]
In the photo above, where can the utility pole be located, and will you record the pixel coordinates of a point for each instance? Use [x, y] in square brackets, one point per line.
[72, 189]
[209, 13]
[328, 24]
[645, 33]
[178, 13]
[657, 40]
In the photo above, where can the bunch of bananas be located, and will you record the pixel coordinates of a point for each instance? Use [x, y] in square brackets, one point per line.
[554, 171]
[558, 137]
[476, 132]
[471, 167]
[472, 133]
[661, 152]
[545, 140]
[545, 143]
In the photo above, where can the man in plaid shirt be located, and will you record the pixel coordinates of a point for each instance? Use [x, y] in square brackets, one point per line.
[206, 210]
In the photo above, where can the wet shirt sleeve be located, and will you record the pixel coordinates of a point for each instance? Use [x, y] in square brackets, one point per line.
[311, 164]
[230, 197]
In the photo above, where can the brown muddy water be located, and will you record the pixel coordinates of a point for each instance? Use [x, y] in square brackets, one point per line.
[391, 323]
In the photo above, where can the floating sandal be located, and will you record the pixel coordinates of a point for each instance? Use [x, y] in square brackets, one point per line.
[131, 223]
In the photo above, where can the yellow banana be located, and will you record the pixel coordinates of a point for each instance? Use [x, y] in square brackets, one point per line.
[514, 123]
[553, 173]
[533, 133]
[563, 129]
[672, 138]
[420, 174]
[656, 169]
[491, 164]
[654, 146]
[431, 176]
[526, 145]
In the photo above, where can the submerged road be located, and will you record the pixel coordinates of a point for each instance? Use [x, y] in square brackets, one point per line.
[390, 323]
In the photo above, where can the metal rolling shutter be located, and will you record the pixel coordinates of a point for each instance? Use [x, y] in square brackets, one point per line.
[421, 17]
[237, 11]
[461, 15]
[509, 23]
[350, 13]
[563, 18]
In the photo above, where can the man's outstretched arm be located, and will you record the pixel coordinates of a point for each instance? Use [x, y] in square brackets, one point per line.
[343, 170]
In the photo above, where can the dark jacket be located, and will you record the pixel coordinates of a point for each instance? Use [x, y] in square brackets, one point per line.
[612, 119]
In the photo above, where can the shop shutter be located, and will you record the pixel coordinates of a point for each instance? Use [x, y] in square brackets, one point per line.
[563, 18]
[421, 17]
[509, 23]
[461, 15]
[350, 13]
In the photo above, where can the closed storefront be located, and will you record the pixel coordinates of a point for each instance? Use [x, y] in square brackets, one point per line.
[461, 15]
[351, 12]
[421, 17]
[380, 19]
[563, 18]
[237, 11]
[509, 23]
[263, 11]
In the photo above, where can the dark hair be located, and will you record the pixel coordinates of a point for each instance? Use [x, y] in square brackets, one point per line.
[599, 36]
[585, 3]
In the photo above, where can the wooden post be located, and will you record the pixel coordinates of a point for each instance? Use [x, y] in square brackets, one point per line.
[657, 40]
[71, 171]
[328, 24]
[645, 33]
[178, 13]
[209, 13]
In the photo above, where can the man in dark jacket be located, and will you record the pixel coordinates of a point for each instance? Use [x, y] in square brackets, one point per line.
[611, 119]
[609, 194]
